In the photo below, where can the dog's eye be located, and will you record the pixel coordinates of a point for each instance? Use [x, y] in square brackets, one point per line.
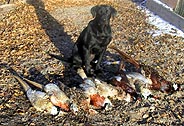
[100, 12]
[107, 11]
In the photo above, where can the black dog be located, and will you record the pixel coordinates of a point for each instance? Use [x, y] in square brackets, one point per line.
[94, 39]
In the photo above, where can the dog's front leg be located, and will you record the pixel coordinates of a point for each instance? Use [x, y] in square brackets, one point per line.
[86, 60]
[97, 67]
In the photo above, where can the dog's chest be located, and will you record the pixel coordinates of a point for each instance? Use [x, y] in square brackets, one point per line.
[98, 47]
[96, 50]
[102, 40]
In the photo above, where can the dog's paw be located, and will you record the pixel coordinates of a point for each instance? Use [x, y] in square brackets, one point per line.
[89, 72]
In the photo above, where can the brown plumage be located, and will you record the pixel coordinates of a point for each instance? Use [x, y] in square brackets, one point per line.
[97, 100]
[57, 96]
[126, 57]
[39, 100]
[122, 81]
[158, 82]
[96, 95]
[161, 84]
[52, 96]
[93, 95]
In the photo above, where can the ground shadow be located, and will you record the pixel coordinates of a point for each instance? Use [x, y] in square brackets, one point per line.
[37, 76]
[53, 28]
[61, 40]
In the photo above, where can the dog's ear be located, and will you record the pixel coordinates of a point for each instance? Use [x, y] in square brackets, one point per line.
[113, 12]
[94, 10]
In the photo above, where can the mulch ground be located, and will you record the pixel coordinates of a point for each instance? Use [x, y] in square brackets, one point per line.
[30, 30]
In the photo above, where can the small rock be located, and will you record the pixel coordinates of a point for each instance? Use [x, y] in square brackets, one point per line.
[145, 116]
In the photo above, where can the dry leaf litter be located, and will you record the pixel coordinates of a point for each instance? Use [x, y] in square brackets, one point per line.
[28, 31]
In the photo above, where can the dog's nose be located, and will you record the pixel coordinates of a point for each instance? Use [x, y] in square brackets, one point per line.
[104, 20]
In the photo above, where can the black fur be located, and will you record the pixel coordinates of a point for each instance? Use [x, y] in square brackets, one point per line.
[94, 39]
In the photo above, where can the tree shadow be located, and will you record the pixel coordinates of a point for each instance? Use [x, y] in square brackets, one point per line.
[55, 31]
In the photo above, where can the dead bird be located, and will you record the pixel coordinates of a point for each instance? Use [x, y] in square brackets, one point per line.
[57, 96]
[141, 84]
[94, 97]
[110, 91]
[122, 81]
[100, 92]
[134, 76]
[40, 100]
[132, 83]
[156, 81]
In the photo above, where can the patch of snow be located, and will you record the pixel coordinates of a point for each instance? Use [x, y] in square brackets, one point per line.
[163, 27]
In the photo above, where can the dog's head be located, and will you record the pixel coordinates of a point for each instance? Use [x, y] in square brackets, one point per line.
[103, 13]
